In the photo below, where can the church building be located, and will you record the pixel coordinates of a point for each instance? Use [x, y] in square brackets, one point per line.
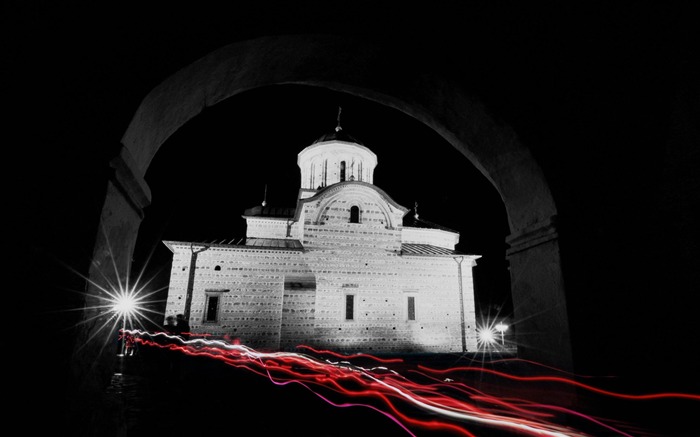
[348, 269]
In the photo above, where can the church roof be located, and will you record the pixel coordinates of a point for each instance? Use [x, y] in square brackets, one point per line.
[338, 135]
[427, 249]
[270, 211]
[282, 243]
[262, 243]
[415, 222]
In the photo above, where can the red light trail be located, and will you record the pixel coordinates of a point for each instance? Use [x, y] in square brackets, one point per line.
[437, 400]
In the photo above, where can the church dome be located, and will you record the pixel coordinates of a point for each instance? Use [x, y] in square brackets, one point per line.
[335, 157]
[338, 135]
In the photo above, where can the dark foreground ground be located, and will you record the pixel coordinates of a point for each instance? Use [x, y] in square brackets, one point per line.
[198, 396]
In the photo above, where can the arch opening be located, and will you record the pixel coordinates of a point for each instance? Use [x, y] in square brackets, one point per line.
[454, 116]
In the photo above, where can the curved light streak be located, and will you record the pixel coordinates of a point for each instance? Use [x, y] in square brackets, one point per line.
[562, 380]
[454, 403]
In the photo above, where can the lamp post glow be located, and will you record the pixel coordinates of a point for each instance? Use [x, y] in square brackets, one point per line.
[486, 336]
[124, 306]
[502, 328]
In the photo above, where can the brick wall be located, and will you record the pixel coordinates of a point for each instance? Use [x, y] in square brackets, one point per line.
[280, 298]
[276, 299]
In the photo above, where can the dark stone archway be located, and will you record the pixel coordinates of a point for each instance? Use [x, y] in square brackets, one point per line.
[362, 69]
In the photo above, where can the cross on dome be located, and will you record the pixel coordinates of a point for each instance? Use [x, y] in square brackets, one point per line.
[338, 128]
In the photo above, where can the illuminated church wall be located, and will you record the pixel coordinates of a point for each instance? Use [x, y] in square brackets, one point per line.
[248, 283]
[340, 271]
[269, 228]
[277, 299]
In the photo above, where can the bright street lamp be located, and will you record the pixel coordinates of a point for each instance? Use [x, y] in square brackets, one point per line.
[124, 306]
[502, 328]
[486, 336]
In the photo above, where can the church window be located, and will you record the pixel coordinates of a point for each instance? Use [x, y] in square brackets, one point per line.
[411, 308]
[349, 307]
[355, 214]
[211, 312]
[325, 172]
[342, 171]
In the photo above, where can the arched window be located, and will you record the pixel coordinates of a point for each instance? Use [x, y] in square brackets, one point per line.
[355, 214]
[342, 171]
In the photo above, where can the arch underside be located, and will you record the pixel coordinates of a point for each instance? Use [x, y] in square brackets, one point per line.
[322, 61]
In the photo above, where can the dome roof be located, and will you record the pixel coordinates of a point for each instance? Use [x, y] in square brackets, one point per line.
[338, 135]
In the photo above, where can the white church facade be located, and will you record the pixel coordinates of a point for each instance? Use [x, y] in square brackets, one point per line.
[348, 269]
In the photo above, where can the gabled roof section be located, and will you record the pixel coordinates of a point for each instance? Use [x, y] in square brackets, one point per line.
[415, 222]
[322, 192]
[430, 250]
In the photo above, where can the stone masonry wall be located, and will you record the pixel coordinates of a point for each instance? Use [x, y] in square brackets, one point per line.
[251, 286]
[381, 283]
[268, 228]
[277, 299]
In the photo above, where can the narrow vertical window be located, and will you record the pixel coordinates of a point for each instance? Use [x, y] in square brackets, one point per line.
[411, 308]
[342, 171]
[325, 172]
[212, 311]
[355, 214]
[349, 307]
